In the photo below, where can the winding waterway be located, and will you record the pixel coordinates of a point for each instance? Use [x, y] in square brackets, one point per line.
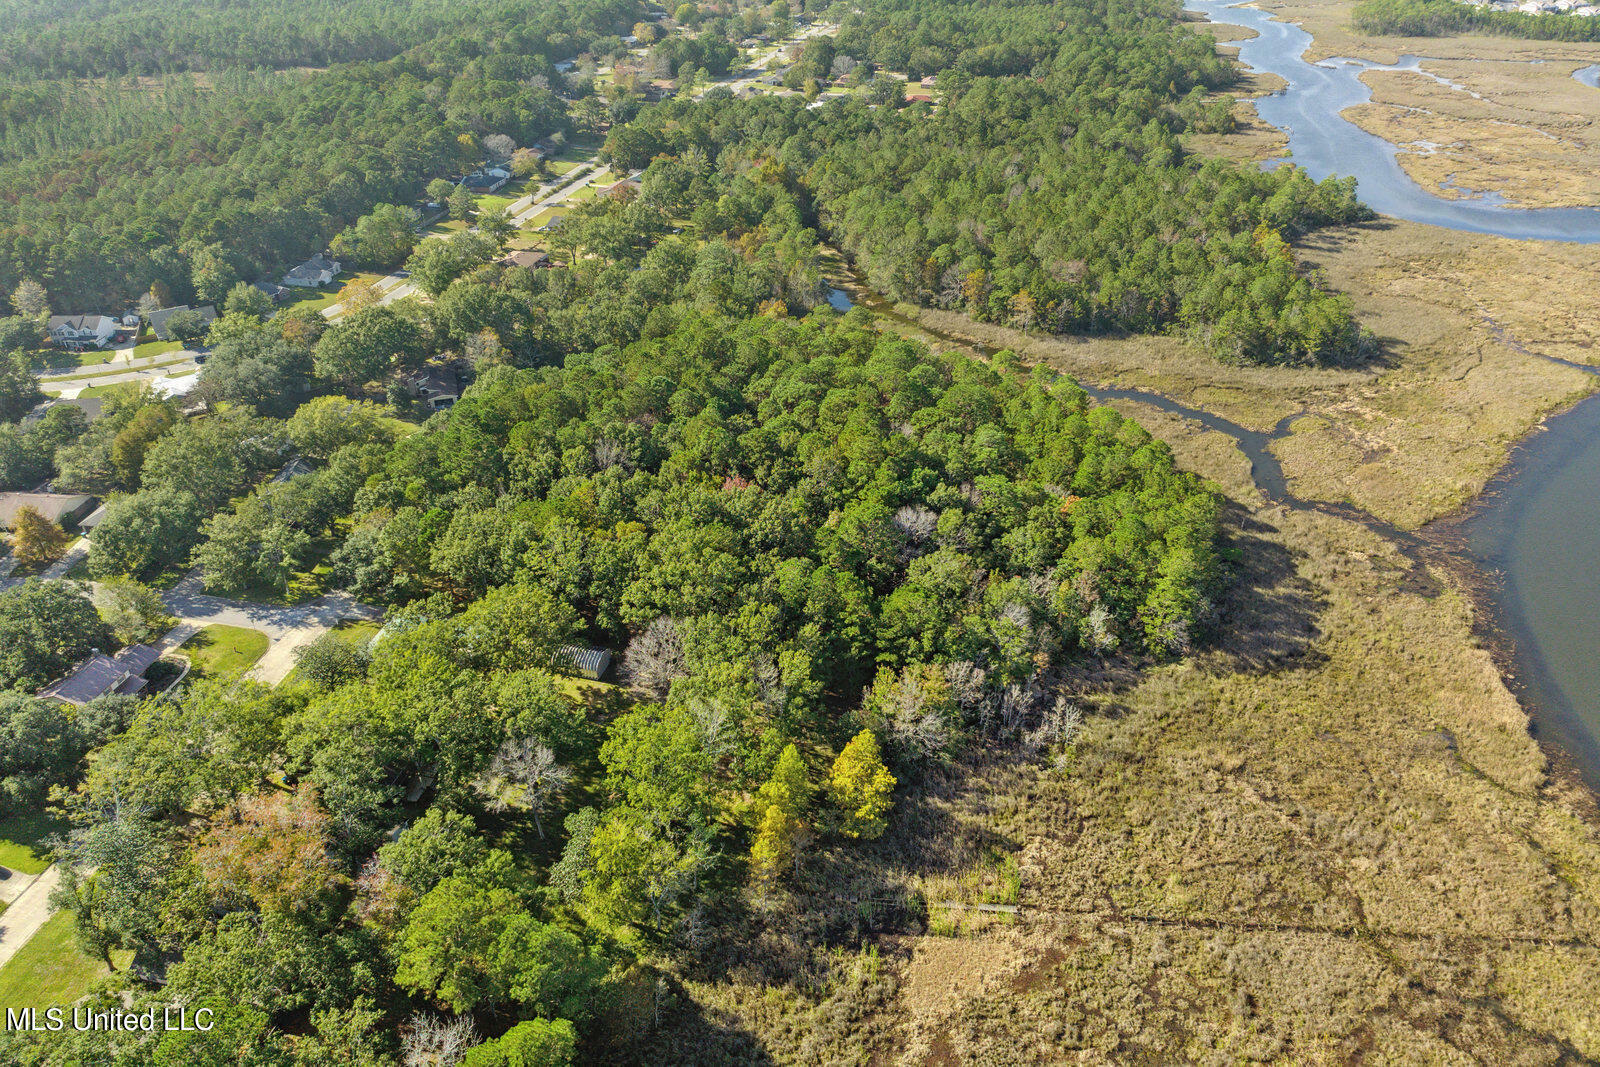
[1326, 144]
[1536, 530]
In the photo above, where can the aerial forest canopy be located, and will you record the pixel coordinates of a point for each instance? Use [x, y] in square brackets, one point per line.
[1049, 187]
[93, 38]
[111, 187]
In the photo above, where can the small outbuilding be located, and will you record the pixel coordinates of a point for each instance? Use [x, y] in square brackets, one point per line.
[589, 662]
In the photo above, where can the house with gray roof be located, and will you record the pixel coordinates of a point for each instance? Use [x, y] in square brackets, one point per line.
[63, 509]
[82, 331]
[159, 319]
[100, 675]
[317, 271]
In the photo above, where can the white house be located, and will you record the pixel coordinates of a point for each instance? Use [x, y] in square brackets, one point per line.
[82, 331]
[317, 271]
[486, 180]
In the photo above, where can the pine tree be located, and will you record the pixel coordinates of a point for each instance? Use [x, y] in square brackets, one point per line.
[860, 787]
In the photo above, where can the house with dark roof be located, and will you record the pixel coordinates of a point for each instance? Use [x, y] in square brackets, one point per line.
[159, 320]
[63, 509]
[293, 469]
[589, 662]
[317, 271]
[82, 331]
[100, 675]
[277, 292]
[91, 406]
[486, 180]
[627, 187]
[438, 385]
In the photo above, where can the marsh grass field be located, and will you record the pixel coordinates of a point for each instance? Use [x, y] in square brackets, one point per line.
[1327, 836]
[1513, 122]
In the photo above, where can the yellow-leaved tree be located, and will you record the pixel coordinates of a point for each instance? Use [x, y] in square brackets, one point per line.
[781, 828]
[37, 539]
[860, 787]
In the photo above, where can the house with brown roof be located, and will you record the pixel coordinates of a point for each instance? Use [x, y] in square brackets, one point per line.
[100, 675]
[528, 257]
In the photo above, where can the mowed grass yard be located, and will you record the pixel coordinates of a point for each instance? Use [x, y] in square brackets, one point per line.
[21, 838]
[51, 970]
[218, 650]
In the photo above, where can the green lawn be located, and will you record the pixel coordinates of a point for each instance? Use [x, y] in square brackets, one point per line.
[156, 348]
[68, 379]
[545, 217]
[218, 649]
[50, 970]
[513, 191]
[20, 841]
[446, 227]
[522, 239]
[328, 295]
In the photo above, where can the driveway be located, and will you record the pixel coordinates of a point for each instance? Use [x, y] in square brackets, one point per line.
[383, 286]
[288, 629]
[24, 915]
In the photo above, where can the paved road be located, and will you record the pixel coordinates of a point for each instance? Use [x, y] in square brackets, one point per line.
[119, 363]
[287, 628]
[182, 363]
[28, 912]
[397, 287]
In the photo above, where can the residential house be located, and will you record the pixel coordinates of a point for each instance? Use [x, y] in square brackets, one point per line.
[63, 509]
[530, 258]
[438, 385]
[486, 180]
[78, 332]
[317, 271]
[159, 319]
[589, 662]
[91, 406]
[626, 188]
[100, 674]
[277, 292]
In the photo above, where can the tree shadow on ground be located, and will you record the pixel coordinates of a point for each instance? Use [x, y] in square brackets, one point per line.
[1267, 615]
